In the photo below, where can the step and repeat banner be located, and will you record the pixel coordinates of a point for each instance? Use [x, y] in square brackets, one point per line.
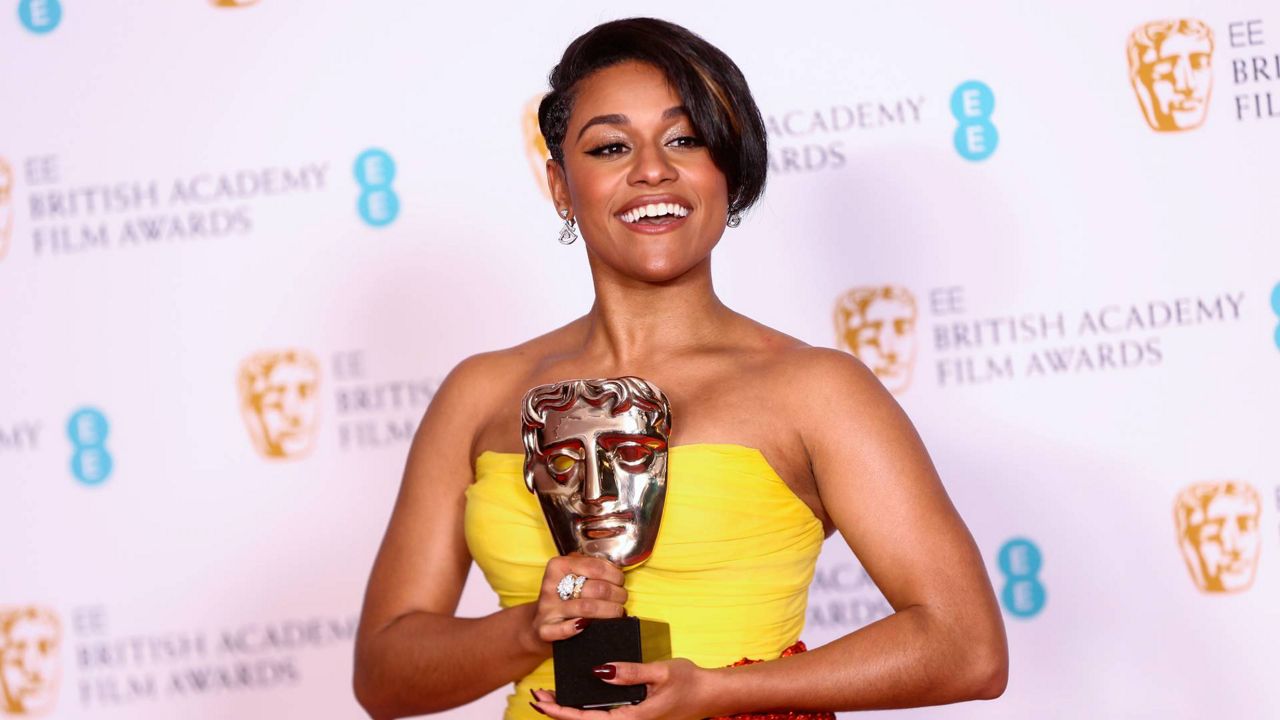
[242, 241]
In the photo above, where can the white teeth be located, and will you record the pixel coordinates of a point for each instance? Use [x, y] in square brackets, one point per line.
[653, 210]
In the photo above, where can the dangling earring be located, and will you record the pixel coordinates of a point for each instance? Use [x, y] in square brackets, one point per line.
[735, 219]
[567, 233]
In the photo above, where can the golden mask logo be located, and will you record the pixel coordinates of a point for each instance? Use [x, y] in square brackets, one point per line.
[1218, 534]
[1171, 69]
[278, 401]
[878, 325]
[6, 206]
[30, 638]
[535, 147]
[233, 3]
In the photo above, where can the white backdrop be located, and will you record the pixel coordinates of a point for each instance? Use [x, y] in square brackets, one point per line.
[178, 194]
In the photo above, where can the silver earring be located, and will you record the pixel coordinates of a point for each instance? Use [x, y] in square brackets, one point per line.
[567, 233]
[735, 219]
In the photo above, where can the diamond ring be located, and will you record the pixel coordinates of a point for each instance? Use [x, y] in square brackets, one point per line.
[570, 586]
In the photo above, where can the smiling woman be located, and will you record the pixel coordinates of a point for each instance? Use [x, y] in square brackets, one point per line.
[711, 92]
[656, 146]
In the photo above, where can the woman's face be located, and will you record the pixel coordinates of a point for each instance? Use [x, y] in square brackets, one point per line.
[649, 200]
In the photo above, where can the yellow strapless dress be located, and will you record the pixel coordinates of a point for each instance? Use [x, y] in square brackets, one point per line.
[730, 570]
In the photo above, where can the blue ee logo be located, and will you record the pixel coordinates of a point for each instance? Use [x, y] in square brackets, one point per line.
[378, 205]
[1022, 594]
[90, 461]
[971, 104]
[40, 16]
[1275, 308]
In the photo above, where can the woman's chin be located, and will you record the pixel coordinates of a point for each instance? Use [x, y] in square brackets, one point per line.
[660, 269]
[656, 262]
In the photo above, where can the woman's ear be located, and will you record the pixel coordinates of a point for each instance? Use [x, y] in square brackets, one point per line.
[558, 185]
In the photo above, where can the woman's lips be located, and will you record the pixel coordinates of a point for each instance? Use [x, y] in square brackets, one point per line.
[655, 214]
[656, 226]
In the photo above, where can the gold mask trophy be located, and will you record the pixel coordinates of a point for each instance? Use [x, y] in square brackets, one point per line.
[596, 457]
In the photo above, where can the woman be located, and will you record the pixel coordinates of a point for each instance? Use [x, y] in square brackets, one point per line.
[656, 145]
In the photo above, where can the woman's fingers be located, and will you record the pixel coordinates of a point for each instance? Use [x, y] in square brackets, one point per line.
[594, 589]
[673, 685]
[543, 695]
[544, 701]
[601, 590]
[625, 673]
[593, 568]
[600, 595]
[562, 630]
[588, 608]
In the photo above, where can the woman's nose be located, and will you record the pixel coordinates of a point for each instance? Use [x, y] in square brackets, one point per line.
[651, 166]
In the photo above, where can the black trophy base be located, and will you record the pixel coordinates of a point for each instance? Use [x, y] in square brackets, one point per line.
[626, 639]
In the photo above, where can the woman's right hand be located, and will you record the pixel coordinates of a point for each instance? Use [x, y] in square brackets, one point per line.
[602, 597]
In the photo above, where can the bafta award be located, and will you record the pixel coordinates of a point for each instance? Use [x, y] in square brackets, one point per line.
[596, 457]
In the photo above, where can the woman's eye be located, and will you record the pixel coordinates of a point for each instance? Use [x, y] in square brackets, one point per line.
[610, 149]
[633, 455]
[687, 141]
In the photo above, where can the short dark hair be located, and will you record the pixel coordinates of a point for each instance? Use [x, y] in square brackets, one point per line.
[713, 90]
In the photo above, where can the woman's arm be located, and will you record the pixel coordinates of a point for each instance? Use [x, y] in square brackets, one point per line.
[945, 642]
[411, 655]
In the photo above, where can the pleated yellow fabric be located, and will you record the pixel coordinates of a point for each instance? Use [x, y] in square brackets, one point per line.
[730, 571]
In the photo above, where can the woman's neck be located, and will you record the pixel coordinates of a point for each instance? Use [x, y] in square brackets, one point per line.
[633, 321]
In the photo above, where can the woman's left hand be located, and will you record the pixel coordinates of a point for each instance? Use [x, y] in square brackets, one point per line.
[677, 689]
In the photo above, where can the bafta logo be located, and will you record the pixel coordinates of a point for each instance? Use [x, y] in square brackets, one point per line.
[30, 639]
[6, 207]
[1170, 66]
[278, 401]
[878, 325]
[535, 147]
[1218, 534]
[233, 3]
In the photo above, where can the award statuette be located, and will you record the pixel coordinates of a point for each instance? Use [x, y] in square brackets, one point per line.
[596, 457]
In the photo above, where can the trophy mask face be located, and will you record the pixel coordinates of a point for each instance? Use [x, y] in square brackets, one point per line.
[1171, 66]
[596, 456]
[1218, 531]
[279, 401]
[30, 639]
[878, 325]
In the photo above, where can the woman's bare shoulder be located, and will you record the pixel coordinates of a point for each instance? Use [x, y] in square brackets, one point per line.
[483, 391]
[797, 369]
[493, 369]
[790, 356]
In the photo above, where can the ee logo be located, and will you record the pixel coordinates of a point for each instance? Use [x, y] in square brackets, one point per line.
[1022, 594]
[90, 461]
[972, 104]
[1275, 308]
[378, 205]
[40, 16]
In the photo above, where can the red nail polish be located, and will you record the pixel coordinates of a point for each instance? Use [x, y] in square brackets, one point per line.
[581, 623]
[605, 672]
[535, 707]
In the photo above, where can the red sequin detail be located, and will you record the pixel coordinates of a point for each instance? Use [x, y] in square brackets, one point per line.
[792, 715]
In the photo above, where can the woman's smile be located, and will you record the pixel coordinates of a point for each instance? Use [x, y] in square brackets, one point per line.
[654, 214]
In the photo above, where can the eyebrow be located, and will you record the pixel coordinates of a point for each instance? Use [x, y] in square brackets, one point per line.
[619, 119]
